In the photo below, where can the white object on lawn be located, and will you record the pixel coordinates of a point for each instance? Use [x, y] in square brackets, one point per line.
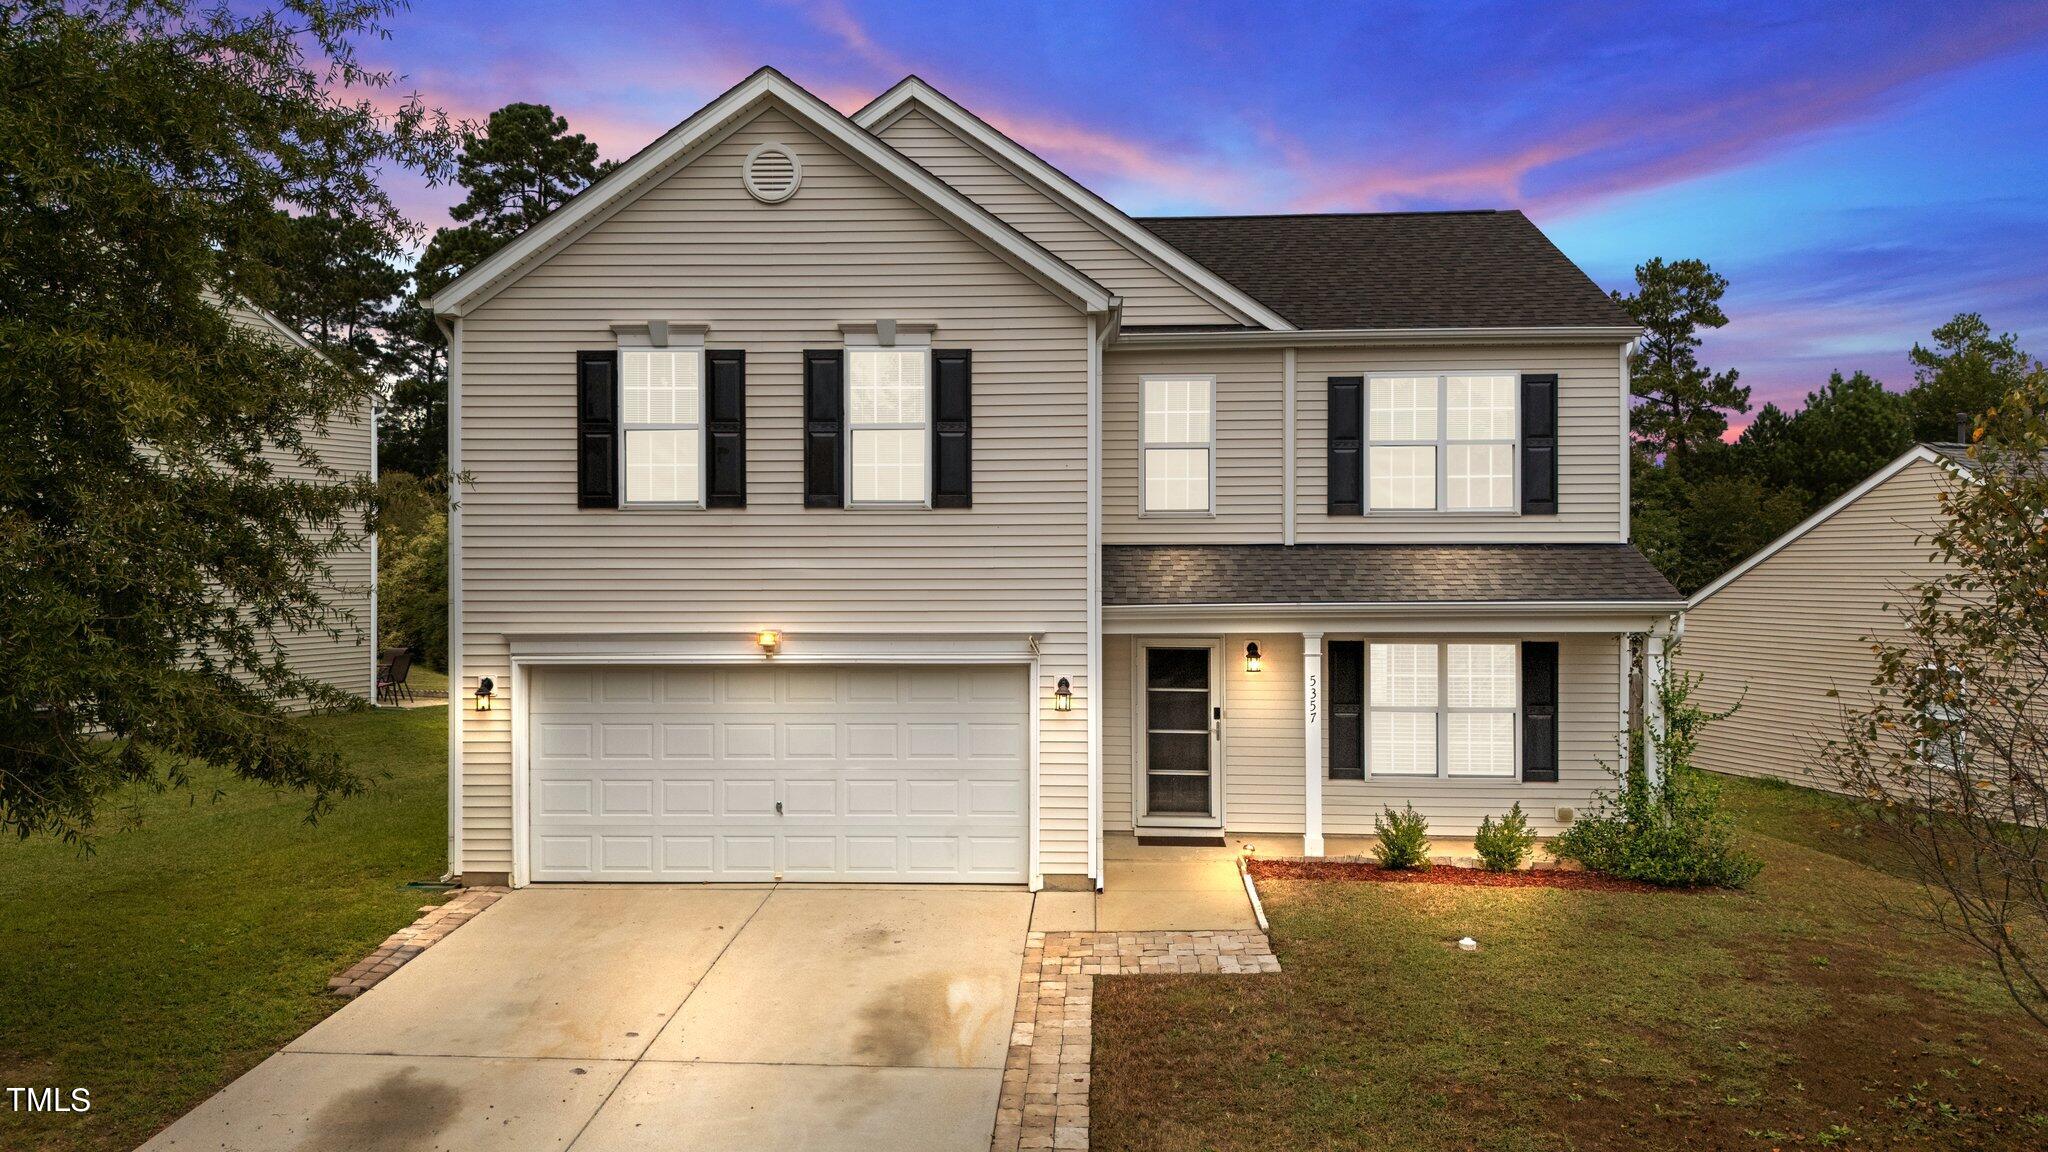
[1467, 944]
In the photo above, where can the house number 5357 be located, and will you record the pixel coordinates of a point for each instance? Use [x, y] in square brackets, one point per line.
[1314, 687]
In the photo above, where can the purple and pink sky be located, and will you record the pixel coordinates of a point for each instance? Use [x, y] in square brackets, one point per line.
[1859, 171]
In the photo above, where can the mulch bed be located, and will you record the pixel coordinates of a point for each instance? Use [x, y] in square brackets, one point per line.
[1445, 874]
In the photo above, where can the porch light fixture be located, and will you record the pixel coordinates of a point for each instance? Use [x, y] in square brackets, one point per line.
[1063, 696]
[1251, 657]
[770, 641]
[484, 689]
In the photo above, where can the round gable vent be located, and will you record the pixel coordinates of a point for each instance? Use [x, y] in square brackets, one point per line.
[772, 173]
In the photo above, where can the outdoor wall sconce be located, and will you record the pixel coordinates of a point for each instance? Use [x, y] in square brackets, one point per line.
[1063, 696]
[1251, 657]
[484, 690]
[770, 641]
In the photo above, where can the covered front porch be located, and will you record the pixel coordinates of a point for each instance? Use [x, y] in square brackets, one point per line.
[1290, 723]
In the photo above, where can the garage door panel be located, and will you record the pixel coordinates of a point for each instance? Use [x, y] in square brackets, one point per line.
[882, 773]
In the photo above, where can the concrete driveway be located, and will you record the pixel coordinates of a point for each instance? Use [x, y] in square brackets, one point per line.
[653, 1017]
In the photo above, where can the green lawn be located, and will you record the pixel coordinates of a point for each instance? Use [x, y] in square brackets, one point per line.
[1797, 1015]
[186, 949]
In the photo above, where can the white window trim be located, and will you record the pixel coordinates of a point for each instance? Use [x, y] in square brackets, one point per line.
[1146, 513]
[1444, 710]
[629, 345]
[1442, 444]
[852, 347]
[1944, 715]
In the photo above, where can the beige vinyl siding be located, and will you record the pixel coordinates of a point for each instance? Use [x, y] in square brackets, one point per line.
[1783, 634]
[1119, 667]
[1588, 432]
[1263, 760]
[1249, 497]
[1151, 296]
[346, 447]
[775, 280]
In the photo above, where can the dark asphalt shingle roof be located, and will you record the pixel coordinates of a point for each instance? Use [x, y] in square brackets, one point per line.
[1481, 269]
[1167, 574]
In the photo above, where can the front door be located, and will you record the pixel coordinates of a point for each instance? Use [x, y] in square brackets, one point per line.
[1180, 732]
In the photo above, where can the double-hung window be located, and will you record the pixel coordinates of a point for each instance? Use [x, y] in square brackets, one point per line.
[662, 402]
[888, 409]
[1441, 441]
[1178, 443]
[1441, 709]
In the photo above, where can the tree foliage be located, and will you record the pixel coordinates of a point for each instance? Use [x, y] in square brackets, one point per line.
[163, 514]
[1683, 404]
[519, 166]
[1950, 747]
[1699, 505]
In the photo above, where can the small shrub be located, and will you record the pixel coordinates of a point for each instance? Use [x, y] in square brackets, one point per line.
[1502, 847]
[1404, 839]
[1670, 831]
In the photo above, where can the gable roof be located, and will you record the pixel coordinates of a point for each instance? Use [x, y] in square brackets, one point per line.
[1398, 270]
[681, 144]
[1215, 575]
[913, 92]
[1950, 455]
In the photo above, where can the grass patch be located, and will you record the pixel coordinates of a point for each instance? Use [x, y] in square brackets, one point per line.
[186, 949]
[1779, 1017]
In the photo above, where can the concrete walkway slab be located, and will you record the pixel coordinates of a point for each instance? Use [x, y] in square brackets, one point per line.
[1176, 896]
[584, 973]
[1063, 912]
[745, 1107]
[913, 978]
[299, 1102]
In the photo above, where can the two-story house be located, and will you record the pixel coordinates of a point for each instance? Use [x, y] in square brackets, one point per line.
[864, 499]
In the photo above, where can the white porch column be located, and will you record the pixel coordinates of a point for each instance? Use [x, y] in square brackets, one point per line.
[1312, 733]
[1653, 704]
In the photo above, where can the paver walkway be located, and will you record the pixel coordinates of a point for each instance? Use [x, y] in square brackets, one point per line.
[1044, 1102]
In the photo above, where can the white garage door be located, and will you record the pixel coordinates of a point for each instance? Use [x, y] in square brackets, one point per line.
[875, 773]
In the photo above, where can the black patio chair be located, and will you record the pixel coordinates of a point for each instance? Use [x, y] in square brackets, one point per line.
[391, 678]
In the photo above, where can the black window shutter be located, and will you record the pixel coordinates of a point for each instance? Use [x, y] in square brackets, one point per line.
[952, 428]
[1539, 445]
[824, 428]
[1347, 709]
[725, 428]
[597, 429]
[1539, 711]
[1347, 436]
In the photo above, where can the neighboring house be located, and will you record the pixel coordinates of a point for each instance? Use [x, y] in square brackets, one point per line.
[348, 445]
[1789, 625]
[863, 499]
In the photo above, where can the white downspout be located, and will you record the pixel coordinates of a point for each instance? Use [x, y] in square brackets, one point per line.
[452, 329]
[1287, 449]
[373, 562]
[1098, 335]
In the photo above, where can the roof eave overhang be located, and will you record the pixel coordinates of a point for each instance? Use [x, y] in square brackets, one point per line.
[1487, 617]
[1416, 607]
[707, 125]
[885, 109]
[1523, 336]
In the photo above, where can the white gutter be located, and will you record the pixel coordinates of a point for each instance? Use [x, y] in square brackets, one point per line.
[1235, 338]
